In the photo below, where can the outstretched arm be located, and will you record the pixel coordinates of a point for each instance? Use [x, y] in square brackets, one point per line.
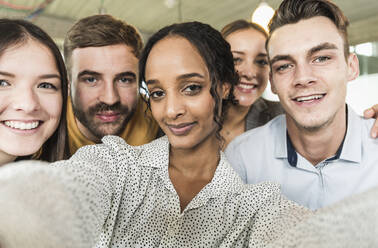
[373, 113]
[60, 205]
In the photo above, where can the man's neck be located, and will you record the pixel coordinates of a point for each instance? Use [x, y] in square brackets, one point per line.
[318, 145]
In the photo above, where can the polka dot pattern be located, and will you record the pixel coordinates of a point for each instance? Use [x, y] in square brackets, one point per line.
[127, 200]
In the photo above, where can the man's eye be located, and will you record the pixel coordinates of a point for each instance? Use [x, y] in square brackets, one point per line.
[4, 83]
[126, 80]
[322, 59]
[90, 80]
[46, 85]
[283, 67]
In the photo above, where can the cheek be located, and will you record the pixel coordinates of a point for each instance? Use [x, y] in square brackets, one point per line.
[263, 76]
[157, 111]
[3, 103]
[128, 96]
[85, 97]
[202, 108]
[52, 105]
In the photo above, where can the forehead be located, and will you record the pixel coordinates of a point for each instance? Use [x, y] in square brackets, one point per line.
[300, 37]
[249, 38]
[33, 53]
[104, 57]
[174, 56]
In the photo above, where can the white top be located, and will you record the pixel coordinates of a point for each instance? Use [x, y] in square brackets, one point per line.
[263, 154]
[126, 197]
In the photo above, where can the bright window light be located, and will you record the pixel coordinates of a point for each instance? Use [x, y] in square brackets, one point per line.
[364, 49]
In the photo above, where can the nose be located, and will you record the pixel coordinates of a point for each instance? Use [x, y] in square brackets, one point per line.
[246, 69]
[303, 75]
[109, 94]
[174, 106]
[26, 100]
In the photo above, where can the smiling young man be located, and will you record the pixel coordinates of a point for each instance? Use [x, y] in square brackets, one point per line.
[320, 151]
[101, 54]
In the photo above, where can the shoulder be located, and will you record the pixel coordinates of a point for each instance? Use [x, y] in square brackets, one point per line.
[358, 122]
[274, 107]
[258, 135]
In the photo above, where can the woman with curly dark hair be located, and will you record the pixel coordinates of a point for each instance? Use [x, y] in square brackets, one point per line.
[177, 191]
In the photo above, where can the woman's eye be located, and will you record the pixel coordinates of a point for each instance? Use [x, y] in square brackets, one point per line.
[192, 89]
[126, 80]
[262, 62]
[4, 83]
[237, 60]
[156, 94]
[46, 85]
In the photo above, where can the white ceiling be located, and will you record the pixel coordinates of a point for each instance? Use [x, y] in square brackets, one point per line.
[150, 15]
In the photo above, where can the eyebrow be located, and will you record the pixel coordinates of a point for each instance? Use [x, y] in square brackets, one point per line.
[44, 76]
[126, 74]
[281, 57]
[88, 72]
[320, 47]
[181, 77]
[323, 46]
[6, 74]
[190, 75]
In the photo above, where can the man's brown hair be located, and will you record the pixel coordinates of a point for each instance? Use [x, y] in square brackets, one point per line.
[98, 31]
[293, 11]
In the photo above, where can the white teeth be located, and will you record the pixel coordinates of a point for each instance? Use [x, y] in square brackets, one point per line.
[22, 125]
[309, 98]
[247, 86]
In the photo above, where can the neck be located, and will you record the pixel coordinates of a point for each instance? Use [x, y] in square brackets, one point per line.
[200, 161]
[236, 114]
[86, 132]
[320, 144]
[234, 123]
[6, 158]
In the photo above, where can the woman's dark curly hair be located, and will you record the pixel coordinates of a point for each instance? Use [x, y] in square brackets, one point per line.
[213, 49]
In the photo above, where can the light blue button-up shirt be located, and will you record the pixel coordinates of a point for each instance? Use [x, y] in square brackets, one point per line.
[261, 154]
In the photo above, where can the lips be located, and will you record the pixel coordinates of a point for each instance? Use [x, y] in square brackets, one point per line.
[246, 87]
[22, 125]
[181, 129]
[309, 98]
[108, 116]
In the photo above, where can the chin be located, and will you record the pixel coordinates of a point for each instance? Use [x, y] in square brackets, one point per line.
[181, 142]
[312, 123]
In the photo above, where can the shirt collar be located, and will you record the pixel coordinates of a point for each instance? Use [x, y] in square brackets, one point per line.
[349, 149]
[225, 179]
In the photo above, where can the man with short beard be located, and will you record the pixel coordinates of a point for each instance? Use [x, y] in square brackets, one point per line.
[101, 55]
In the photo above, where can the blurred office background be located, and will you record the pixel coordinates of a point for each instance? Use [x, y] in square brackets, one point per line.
[57, 16]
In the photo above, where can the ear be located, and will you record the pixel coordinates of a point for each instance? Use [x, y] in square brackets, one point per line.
[353, 67]
[225, 90]
[272, 85]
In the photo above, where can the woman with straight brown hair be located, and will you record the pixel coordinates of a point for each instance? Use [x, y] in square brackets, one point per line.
[33, 94]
